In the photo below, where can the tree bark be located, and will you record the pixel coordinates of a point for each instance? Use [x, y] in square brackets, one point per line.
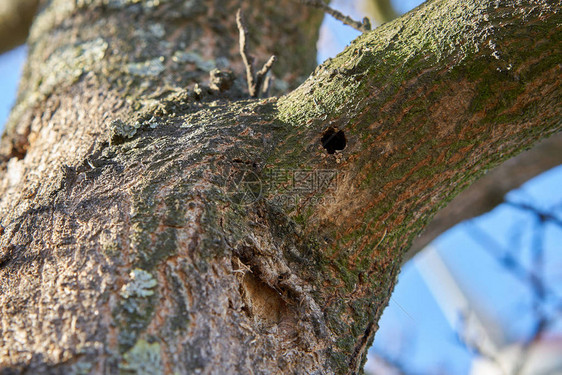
[154, 226]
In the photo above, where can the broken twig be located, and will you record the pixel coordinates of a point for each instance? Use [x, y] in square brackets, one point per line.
[255, 81]
[360, 26]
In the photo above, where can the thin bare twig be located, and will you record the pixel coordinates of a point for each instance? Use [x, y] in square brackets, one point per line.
[267, 83]
[263, 72]
[363, 26]
[248, 60]
[255, 81]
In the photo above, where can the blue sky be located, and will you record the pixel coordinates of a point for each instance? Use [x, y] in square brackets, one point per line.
[413, 327]
[11, 64]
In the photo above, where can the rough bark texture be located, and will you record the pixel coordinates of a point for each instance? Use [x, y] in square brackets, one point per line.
[155, 227]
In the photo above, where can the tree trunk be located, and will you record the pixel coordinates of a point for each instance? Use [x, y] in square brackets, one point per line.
[152, 226]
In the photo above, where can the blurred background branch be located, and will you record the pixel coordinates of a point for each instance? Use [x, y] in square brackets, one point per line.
[15, 20]
[380, 11]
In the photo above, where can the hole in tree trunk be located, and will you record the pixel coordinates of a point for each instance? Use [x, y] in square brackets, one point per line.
[262, 301]
[333, 140]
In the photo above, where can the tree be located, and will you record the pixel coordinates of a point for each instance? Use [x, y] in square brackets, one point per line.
[155, 220]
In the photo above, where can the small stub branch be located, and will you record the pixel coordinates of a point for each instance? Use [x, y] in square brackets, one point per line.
[360, 26]
[255, 81]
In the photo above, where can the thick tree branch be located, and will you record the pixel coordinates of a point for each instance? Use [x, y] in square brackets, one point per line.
[488, 192]
[428, 103]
